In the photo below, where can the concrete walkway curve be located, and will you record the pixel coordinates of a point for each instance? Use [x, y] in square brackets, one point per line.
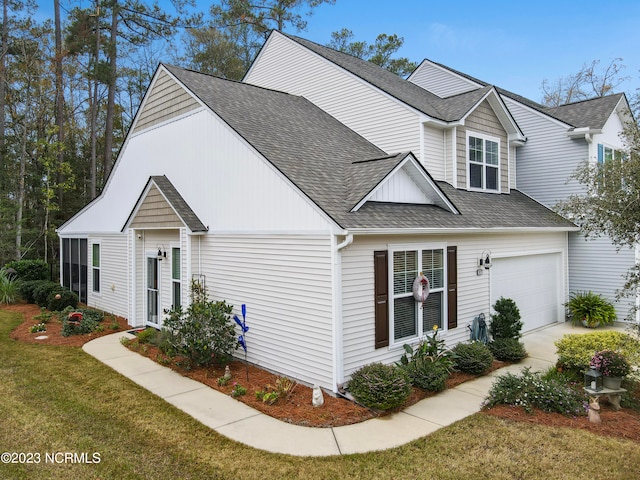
[243, 424]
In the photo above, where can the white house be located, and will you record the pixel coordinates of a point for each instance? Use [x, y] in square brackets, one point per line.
[558, 140]
[274, 203]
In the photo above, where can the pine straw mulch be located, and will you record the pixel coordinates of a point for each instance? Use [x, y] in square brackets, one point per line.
[297, 408]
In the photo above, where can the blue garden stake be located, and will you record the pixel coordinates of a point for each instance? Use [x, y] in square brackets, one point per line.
[241, 338]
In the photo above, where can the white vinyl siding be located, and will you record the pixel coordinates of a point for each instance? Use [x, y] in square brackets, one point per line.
[548, 159]
[434, 147]
[473, 289]
[245, 194]
[286, 283]
[441, 81]
[373, 114]
[114, 281]
[595, 265]
[545, 167]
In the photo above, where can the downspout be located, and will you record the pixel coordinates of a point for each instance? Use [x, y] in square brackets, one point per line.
[338, 344]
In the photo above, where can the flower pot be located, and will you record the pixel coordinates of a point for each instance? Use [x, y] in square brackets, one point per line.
[595, 324]
[612, 382]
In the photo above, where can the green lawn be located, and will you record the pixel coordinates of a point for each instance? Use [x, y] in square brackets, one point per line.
[59, 399]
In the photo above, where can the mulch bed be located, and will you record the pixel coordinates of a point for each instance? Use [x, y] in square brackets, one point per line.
[297, 409]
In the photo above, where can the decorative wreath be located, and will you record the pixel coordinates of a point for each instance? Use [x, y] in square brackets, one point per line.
[421, 288]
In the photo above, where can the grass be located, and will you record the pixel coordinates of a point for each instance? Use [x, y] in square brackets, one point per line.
[59, 399]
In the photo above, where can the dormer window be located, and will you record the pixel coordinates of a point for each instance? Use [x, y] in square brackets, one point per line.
[484, 162]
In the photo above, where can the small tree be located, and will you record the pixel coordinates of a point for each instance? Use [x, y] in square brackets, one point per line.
[506, 322]
[204, 332]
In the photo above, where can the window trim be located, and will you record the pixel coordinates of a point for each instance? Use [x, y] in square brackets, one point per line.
[419, 248]
[97, 269]
[484, 137]
[174, 280]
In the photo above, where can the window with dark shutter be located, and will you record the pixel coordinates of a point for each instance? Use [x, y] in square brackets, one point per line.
[452, 287]
[381, 294]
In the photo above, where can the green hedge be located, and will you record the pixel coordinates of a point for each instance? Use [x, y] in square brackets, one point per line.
[575, 350]
[27, 270]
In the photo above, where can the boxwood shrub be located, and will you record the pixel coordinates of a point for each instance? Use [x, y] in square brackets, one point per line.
[43, 290]
[380, 386]
[475, 357]
[67, 299]
[508, 349]
[427, 373]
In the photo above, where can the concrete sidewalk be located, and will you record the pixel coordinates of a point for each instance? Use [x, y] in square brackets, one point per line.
[239, 422]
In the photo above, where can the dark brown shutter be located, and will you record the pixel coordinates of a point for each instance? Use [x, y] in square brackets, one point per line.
[381, 293]
[452, 287]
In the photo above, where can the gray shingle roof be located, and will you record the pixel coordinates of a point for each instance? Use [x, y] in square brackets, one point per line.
[178, 203]
[592, 113]
[449, 110]
[335, 167]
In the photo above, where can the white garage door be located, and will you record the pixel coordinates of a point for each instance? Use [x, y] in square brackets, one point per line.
[534, 282]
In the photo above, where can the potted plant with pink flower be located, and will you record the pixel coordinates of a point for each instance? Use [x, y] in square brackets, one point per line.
[613, 366]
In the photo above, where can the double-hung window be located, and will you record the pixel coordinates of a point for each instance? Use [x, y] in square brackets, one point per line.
[176, 283]
[95, 266]
[484, 162]
[408, 318]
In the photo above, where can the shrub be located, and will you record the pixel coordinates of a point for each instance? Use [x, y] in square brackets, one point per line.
[8, 288]
[380, 386]
[27, 270]
[474, 357]
[591, 308]
[43, 290]
[146, 335]
[431, 348]
[427, 374]
[508, 349]
[67, 298]
[203, 333]
[27, 289]
[505, 323]
[575, 350]
[530, 390]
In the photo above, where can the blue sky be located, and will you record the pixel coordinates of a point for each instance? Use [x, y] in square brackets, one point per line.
[512, 44]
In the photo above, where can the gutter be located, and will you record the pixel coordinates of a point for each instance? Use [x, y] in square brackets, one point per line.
[584, 132]
[337, 334]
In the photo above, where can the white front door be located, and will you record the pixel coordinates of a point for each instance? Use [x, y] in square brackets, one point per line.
[153, 292]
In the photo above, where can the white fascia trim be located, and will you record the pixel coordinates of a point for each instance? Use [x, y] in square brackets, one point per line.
[279, 232]
[451, 231]
[502, 112]
[91, 234]
[414, 162]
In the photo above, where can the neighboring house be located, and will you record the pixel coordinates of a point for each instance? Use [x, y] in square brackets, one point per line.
[274, 203]
[558, 140]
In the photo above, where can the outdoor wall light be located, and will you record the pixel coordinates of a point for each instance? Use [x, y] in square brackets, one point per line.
[161, 253]
[485, 260]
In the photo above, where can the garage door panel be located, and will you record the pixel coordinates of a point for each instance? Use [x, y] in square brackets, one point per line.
[533, 282]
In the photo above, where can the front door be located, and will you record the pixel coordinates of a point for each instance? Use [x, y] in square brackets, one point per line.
[153, 294]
